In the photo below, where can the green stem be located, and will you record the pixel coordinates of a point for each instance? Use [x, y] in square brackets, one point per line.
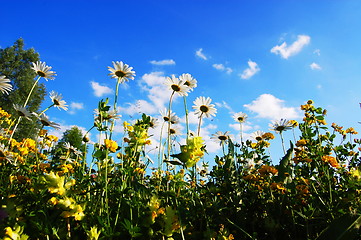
[169, 122]
[31, 91]
[199, 124]
[186, 110]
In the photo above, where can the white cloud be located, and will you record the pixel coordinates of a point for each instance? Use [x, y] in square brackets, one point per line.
[74, 106]
[268, 106]
[315, 66]
[251, 70]
[199, 53]
[221, 67]
[155, 90]
[317, 52]
[287, 51]
[100, 90]
[163, 62]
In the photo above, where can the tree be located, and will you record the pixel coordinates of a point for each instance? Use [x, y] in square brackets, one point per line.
[74, 137]
[15, 64]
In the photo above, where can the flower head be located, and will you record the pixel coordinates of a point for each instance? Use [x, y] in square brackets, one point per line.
[153, 122]
[281, 125]
[176, 85]
[240, 117]
[258, 135]
[169, 116]
[56, 98]
[43, 70]
[203, 105]
[22, 111]
[44, 119]
[5, 86]
[111, 145]
[220, 137]
[188, 80]
[121, 71]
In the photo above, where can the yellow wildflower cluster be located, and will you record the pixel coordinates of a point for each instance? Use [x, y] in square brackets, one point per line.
[138, 135]
[5, 118]
[70, 207]
[331, 160]
[193, 151]
[15, 233]
[155, 209]
[56, 184]
[111, 145]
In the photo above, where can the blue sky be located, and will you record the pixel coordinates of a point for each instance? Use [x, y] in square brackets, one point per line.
[264, 58]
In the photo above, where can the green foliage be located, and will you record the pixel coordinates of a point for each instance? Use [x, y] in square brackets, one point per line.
[15, 64]
[313, 193]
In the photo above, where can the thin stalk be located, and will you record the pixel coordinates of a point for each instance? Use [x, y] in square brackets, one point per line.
[283, 144]
[46, 109]
[199, 124]
[186, 111]
[26, 102]
[168, 137]
[160, 158]
[114, 106]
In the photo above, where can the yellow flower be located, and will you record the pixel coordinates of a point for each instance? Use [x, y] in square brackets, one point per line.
[111, 145]
[55, 183]
[294, 123]
[29, 143]
[93, 233]
[331, 160]
[268, 136]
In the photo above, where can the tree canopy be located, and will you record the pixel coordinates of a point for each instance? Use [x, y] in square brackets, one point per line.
[15, 64]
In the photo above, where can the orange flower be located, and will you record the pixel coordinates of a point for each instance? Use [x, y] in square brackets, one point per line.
[331, 160]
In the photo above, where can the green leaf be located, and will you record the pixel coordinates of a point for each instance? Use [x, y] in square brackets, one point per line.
[284, 166]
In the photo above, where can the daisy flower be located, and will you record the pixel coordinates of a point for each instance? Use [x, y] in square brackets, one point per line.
[281, 125]
[56, 98]
[153, 122]
[240, 117]
[121, 71]
[258, 135]
[220, 137]
[44, 119]
[203, 105]
[5, 86]
[176, 85]
[175, 131]
[188, 80]
[22, 111]
[43, 70]
[169, 117]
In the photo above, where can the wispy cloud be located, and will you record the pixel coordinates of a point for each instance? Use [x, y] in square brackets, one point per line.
[153, 86]
[268, 106]
[315, 66]
[251, 70]
[100, 90]
[199, 53]
[221, 67]
[317, 52]
[287, 51]
[74, 106]
[163, 62]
